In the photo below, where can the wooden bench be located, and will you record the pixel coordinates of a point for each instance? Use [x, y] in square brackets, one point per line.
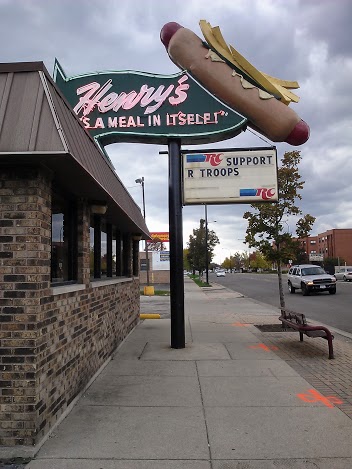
[298, 322]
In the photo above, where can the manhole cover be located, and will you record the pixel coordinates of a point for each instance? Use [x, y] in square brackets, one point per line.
[272, 328]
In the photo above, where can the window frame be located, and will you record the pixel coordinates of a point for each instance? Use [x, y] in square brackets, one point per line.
[70, 204]
[122, 244]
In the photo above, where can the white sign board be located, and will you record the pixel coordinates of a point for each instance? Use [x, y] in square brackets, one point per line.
[316, 257]
[161, 260]
[230, 176]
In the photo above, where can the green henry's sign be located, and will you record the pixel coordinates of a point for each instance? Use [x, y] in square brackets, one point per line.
[132, 106]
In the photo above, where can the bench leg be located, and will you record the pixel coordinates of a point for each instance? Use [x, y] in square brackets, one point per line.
[331, 349]
[301, 336]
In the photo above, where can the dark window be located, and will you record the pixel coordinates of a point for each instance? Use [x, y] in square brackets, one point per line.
[63, 240]
[135, 258]
[143, 264]
[97, 246]
[106, 250]
[109, 259]
[91, 249]
[117, 252]
[125, 256]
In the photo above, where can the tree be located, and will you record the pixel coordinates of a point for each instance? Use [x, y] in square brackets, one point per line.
[156, 245]
[186, 264]
[237, 261]
[300, 255]
[228, 263]
[331, 262]
[267, 228]
[258, 261]
[197, 249]
[334, 261]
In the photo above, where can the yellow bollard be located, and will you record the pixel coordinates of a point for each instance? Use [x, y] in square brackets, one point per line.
[149, 291]
[149, 316]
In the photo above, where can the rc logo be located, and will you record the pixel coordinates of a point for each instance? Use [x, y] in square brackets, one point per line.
[262, 192]
[214, 159]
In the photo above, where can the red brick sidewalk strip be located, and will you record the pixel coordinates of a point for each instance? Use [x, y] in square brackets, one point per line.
[310, 359]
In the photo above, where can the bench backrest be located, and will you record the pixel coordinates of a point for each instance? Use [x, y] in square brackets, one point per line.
[298, 318]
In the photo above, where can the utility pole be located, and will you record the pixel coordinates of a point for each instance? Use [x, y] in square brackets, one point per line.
[206, 245]
[141, 181]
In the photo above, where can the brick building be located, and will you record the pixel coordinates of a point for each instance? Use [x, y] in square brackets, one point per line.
[69, 243]
[332, 243]
[159, 268]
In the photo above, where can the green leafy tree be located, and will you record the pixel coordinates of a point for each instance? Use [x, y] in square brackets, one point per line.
[334, 261]
[237, 261]
[228, 263]
[267, 229]
[197, 249]
[299, 255]
[331, 262]
[186, 264]
[258, 261]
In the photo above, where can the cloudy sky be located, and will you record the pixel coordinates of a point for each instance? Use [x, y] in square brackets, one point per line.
[305, 40]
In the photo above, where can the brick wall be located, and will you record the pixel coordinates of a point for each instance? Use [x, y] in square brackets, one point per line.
[53, 340]
[332, 243]
[77, 332]
[155, 276]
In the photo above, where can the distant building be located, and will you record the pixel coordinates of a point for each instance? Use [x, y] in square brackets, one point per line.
[332, 243]
[159, 267]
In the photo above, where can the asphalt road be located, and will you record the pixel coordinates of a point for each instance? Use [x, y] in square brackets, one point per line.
[333, 310]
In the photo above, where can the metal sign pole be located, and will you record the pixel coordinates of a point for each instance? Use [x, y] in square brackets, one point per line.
[176, 247]
[206, 245]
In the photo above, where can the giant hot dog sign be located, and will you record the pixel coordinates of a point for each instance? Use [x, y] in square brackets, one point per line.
[225, 73]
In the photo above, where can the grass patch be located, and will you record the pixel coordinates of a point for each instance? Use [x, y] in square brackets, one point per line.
[198, 281]
[157, 293]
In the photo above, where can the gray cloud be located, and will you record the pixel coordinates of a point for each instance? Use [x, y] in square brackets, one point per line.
[304, 40]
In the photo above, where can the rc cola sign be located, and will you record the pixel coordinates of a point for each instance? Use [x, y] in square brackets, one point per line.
[230, 176]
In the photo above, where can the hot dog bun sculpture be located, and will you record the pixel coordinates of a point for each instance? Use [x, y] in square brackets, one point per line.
[226, 74]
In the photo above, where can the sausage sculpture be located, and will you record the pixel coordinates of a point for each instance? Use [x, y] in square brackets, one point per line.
[230, 77]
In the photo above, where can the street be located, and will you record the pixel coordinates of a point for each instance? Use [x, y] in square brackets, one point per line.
[332, 310]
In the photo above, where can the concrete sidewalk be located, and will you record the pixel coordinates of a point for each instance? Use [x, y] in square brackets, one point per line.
[235, 397]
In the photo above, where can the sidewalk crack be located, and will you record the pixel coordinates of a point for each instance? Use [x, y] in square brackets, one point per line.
[190, 328]
[204, 416]
[140, 356]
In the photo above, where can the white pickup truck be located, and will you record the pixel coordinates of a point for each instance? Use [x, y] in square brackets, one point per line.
[310, 278]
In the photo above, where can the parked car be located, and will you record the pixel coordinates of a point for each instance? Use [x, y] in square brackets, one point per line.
[344, 273]
[347, 277]
[221, 273]
[310, 278]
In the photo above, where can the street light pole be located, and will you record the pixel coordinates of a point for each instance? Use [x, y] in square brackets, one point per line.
[247, 251]
[141, 181]
[206, 245]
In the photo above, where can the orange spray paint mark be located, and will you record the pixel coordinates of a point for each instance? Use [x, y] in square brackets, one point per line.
[314, 396]
[267, 348]
[240, 324]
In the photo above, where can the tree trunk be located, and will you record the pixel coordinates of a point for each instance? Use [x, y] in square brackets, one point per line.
[281, 290]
